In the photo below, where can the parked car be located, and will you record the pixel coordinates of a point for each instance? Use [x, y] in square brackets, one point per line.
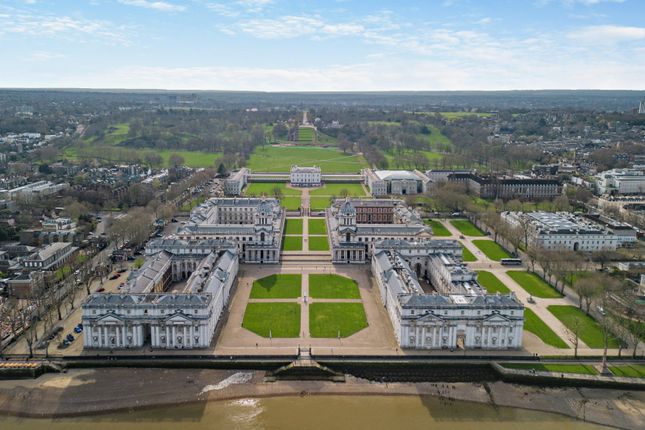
[601, 310]
[115, 276]
[100, 290]
[121, 270]
[70, 338]
[77, 330]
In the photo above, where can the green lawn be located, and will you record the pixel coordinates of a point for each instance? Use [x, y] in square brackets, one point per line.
[293, 226]
[629, 370]
[305, 134]
[584, 369]
[267, 188]
[191, 204]
[438, 229]
[491, 249]
[280, 159]
[451, 116]
[317, 226]
[330, 319]
[319, 203]
[292, 243]
[466, 227]
[291, 203]
[318, 243]
[353, 190]
[332, 287]
[491, 283]
[589, 331]
[535, 325]
[280, 286]
[467, 256]
[534, 285]
[273, 319]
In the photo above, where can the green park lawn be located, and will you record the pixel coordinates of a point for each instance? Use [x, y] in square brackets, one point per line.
[293, 226]
[468, 256]
[534, 285]
[291, 203]
[438, 229]
[629, 370]
[589, 330]
[267, 188]
[305, 134]
[466, 227]
[330, 319]
[292, 243]
[280, 286]
[353, 190]
[332, 287]
[535, 325]
[280, 159]
[451, 116]
[273, 319]
[584, 369]
[491, 249]
[319, 203]
[317, 226]
[318, 243]
[491, 283]
[118, 154]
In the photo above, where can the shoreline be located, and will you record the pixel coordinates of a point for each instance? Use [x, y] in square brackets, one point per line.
[103, 392]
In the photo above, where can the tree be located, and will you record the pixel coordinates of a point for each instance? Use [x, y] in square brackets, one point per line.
[277, 192]
[343, 193]
[176, 160]
[153, 160]
[588, 289]
[574, 331]
[221, 169]
[344, 144]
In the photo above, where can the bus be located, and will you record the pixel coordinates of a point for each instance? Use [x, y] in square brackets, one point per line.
[511, 261]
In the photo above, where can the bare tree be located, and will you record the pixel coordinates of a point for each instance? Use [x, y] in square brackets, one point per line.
[574, 332]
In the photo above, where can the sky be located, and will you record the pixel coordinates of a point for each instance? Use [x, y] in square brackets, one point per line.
[330, 45]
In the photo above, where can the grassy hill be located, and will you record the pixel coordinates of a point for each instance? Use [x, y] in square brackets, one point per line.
[281, 158]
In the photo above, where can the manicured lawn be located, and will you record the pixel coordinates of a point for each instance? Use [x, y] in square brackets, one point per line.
[589, 330]
[491, 249]
[629, 370]
[466, 227]
[491, 283]
[534, 285]
[318, 243]
[293, 226]
[280, 159]
[451, 116]
[584, 369]
[292, 243]
[280, 286]
[119, 154]
[267, 188]
[319, 203]
[317, 226]
[535, 325]
[353, 190]
[438, 229]
[328, 319]
[467, 255]
[273, 319]
[305, 134]
[291, 203]
[332, 287]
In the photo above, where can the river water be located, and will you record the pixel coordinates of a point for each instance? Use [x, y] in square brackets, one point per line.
[313, 413]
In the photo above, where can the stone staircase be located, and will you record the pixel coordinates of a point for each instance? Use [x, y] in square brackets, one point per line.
[304, 369]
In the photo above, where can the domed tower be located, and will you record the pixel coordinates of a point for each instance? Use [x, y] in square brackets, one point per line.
[347, 221]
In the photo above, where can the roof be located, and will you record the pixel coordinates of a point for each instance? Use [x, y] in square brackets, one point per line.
[396, 175]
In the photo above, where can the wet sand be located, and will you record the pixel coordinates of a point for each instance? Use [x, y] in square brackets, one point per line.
[87, 392]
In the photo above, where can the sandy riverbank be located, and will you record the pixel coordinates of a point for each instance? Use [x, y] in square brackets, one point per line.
[86, 392]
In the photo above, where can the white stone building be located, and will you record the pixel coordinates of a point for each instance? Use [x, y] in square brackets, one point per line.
[234, 184]
[305, 176]
[621, 181]
[141, 315]
[255, 225]
[458, 315]
[565, 230]
[352, 241]
[395, 182]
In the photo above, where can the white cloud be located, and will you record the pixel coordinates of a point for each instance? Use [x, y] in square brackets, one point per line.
[608, 34]
[34, 24]
[237, 8]
[45, 56]
[161, 6]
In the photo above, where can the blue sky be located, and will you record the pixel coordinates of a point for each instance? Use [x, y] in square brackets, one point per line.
[334, 45]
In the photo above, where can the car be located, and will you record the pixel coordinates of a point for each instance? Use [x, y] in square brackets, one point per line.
[80, 325]
[100, 290]
[601, 310]
[115, 276]
[173, 220]
[122, 270]
[77, 330]
[461, 236]
[69, 338]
